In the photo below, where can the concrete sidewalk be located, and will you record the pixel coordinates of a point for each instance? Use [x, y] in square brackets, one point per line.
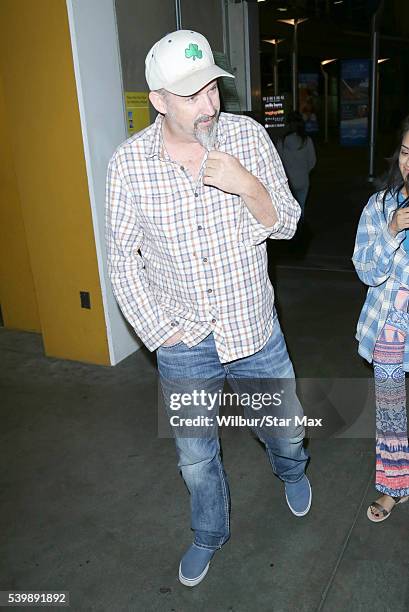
[92, 503]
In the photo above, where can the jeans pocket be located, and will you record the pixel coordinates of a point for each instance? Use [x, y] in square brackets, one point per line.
[171, 346]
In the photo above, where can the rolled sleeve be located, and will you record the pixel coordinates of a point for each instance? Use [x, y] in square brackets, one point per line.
[270, 173]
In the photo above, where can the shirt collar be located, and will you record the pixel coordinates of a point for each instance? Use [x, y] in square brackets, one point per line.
[221, 132]
[154, 141]
[401, 197]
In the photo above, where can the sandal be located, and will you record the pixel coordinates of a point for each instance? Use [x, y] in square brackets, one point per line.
[383, 511]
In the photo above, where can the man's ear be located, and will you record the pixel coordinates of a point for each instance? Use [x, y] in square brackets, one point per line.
[158, 102]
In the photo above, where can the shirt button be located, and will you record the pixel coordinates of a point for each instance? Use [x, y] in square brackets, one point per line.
[196, 195]
[213, 320]
[182, 168]
[199, 227]
[209, 290]
[205, 259]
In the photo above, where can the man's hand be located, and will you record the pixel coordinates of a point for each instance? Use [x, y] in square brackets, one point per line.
[399, 221]
[174, 339]
[226, 173]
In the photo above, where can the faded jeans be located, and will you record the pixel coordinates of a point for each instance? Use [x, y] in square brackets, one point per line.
[199, 457]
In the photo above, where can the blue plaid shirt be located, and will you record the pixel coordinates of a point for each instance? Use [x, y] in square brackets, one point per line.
[382, 263]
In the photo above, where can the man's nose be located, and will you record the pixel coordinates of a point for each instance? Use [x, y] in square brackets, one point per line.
[208, 107]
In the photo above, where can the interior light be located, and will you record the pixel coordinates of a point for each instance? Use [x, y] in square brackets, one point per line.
[293, 21]
[273, 41]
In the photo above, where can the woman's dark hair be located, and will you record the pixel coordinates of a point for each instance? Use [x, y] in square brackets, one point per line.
[296, 125]
[392, 181]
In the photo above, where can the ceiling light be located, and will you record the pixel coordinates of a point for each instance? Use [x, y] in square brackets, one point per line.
[293, 22]
[282, 9]
[384, 59]
[328, 61]
[273, 41]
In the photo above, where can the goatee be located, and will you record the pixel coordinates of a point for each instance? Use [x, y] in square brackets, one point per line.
[206, 136]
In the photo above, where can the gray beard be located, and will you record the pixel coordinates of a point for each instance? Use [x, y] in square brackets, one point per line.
[206, 137]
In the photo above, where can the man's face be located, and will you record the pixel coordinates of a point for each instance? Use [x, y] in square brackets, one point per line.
[195, 116]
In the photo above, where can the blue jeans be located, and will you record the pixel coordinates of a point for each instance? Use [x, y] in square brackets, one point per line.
[199, 457]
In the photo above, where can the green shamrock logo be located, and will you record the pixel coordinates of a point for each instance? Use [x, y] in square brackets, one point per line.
[193, 51]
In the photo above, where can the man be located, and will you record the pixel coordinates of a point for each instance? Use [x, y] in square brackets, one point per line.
[191, 201]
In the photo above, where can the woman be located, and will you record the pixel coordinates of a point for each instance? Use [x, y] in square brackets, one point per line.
[381, 259]
[298, 156]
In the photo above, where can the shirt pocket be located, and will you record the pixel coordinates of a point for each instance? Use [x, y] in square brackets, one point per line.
[161, 215]
[168, 224]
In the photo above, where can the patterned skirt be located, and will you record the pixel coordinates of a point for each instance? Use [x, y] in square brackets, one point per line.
[392, 450]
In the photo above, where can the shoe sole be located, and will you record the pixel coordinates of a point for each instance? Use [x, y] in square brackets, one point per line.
[304, 512]
[191, 582]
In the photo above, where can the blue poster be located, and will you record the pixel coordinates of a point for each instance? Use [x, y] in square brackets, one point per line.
[354, 102]
[308, 100]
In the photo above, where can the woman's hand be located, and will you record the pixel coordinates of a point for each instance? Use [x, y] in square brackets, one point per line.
[399, 221]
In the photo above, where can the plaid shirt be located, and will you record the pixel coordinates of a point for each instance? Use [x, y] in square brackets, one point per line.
[190, 256]
[383, 264]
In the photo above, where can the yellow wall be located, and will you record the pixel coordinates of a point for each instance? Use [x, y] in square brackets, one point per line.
[17, 294]
[42, 111]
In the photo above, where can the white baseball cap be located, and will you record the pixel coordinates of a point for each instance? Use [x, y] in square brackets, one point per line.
[181, 62]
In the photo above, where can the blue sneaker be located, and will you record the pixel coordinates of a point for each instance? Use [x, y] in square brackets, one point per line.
[194, 565]
[299, 495]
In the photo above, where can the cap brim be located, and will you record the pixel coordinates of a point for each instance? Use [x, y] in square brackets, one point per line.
[193, 83]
